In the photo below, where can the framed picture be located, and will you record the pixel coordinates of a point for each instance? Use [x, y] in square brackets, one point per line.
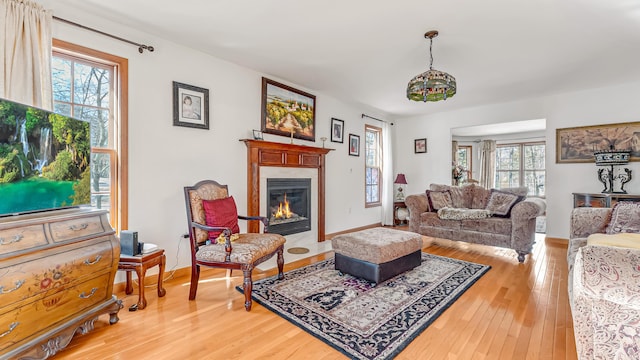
[190, 106]
[354, 145]
[337, 130]
[577, 144]
[257, 135]
[287, 111]
[420, 146]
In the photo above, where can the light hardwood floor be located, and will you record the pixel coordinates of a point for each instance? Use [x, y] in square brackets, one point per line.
[515, 311]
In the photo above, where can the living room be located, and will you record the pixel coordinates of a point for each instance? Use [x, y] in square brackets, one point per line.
[163, 158]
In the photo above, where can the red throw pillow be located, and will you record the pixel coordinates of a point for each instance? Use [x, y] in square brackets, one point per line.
[222, 212]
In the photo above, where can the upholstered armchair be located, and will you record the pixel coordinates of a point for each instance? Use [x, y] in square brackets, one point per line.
[215, 239]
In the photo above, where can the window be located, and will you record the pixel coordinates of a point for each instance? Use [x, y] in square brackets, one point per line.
[89, 85]
[464, 161]
[373, 165]
[521, 164]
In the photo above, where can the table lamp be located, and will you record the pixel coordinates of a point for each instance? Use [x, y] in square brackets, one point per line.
[401, 180]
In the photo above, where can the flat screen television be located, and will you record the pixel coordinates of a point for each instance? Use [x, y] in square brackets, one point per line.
[44, 160]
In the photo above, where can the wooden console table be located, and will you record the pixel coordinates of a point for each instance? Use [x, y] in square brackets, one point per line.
[140, 264]
[601, 200]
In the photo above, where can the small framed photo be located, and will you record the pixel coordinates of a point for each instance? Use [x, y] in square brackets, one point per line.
[337, 130]
[354, 145]
[420, 146]
[190, 106]
[257, 135]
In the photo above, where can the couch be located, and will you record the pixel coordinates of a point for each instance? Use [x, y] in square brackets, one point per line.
[604, 281]
[470, 213]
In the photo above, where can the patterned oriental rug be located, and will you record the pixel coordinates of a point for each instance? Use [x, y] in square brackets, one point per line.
[364, 321]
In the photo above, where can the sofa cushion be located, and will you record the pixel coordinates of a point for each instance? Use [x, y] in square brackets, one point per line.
[221, 213]
[449, 213]
[492, 225]
[625, 240]
[461, 196]
[432, 219]
[625, 218]
[501, 202]
[439, 199]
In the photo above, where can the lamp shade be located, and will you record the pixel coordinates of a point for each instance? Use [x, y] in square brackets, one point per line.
[400, 179]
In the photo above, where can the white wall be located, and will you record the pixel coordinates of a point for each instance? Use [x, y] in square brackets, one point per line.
[163, 158]
[589, 107]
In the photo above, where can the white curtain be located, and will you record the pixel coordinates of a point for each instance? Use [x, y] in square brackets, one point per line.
[387, 176]
[25, 46]
[488, 163]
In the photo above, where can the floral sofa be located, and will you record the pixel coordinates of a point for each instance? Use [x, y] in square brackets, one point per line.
[471, 213]
[604, 281]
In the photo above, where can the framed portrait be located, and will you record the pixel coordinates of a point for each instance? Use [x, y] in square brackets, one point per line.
[354, 145]
[577, 144]
[287, 111]
[420, 146]
[190, 106]
[337, 130]
[257, 135]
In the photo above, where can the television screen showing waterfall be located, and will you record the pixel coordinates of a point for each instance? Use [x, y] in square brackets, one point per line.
[44, 160]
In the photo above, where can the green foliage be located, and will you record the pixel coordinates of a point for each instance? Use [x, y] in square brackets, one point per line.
[9, 164]
[35, 118]
[276, 110]
[304, 117]
[75, 136]
[82, 189]
[62, 168]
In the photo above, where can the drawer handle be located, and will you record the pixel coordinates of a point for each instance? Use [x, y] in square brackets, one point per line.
[18, 284]
[11, 328]
[88, 262]
[85, 296]
[15, 239]
[78, 227]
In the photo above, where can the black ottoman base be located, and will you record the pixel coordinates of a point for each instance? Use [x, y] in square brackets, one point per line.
[377, 273]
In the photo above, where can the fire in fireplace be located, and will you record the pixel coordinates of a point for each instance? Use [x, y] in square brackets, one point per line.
[289, 205]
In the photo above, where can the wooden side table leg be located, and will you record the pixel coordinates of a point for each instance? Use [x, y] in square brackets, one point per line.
[141, 271]
[161, 290]
[129, 286]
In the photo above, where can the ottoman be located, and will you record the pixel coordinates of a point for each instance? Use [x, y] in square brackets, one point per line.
[377, 254]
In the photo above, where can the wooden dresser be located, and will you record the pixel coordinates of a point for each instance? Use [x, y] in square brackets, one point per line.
[56, 277]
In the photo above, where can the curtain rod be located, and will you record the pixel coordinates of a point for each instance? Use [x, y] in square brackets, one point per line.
[141, 47]
[371, 117]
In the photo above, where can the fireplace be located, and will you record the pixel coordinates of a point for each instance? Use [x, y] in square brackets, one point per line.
[288, 205]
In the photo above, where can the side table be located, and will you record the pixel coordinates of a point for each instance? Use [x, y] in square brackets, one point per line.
[140, 264]
[398, 204]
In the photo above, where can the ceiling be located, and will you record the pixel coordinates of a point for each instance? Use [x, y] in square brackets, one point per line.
[366, 51]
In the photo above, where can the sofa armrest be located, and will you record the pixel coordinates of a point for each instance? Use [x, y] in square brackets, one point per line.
[586, 221]
[528, 209]
[417, 204]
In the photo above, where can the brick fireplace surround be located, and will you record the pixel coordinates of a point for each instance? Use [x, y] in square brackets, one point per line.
[266, 153]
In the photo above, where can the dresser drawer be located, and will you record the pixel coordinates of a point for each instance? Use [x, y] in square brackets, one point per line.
[54, 272]
[21, 238]
[76, 228]
[28, 320]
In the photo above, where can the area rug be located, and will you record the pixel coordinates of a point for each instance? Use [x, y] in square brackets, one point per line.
[359, 319]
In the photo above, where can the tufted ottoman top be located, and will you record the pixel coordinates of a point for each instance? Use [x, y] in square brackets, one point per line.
[377, 245]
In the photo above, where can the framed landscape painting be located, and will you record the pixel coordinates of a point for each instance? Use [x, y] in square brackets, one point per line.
[577, 144]
[287, 111]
